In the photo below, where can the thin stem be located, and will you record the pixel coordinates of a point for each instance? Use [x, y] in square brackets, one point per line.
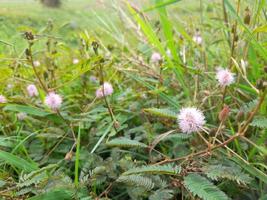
[30, 58]
[241, 133]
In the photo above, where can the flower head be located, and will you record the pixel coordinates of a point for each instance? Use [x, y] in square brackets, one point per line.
[224, 77]
[104, 90]
[197, 39]
[155, 57]
[36, 63]
[53, 100]
[21, 116]
[2, 99]
[190, 120]
[75, 61]
[32, 90]
[10, 86]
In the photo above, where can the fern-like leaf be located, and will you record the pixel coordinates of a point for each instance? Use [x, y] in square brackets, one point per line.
[203, 188]
[161, 112]
[126, 143]
[137, 180]
[260, 122]
[216, 172]
[161, 194]
[155, 169]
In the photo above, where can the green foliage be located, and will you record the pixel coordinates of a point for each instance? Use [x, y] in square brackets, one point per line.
[63, 194]
[137, 180]
[166, 113]
[234, 173]
[17, 162]
[161, 194]
[155, 169]
[125, 143]
[203, 188]
[260, 122]
[68, 153]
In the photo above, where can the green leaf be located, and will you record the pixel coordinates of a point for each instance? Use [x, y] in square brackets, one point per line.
[155, 169]
[26, 109]
[160, 5]
[161, 112]
[162, 95]
[126, 143]
[162, 194]
[203, 188]
[62, 194]
[137, 180]
[234, 173]
[17, 161]
[260, 122]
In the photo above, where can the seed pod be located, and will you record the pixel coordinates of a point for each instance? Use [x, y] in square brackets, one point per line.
[116, 124]
[29, 35]
[68, 155]
[224, 113]
[247, 16]
[259, 84]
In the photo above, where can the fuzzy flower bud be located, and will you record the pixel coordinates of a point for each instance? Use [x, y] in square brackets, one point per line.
[75, 61]
[155, 57]
[105, 90]
[224, 77]
[2, 99]
[36, 63]
[197, 39]
[190, 120]
[53, 101]
[32, 90]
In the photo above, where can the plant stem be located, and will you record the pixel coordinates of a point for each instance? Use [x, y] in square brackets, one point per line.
[241, 132]
[77, 157]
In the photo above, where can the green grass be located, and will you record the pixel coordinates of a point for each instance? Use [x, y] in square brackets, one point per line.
[100, 138]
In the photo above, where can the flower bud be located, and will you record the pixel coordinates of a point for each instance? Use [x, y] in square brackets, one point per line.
[68, 155]
[247, 16]
[224, 113]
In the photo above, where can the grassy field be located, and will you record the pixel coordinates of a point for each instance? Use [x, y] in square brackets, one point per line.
[153, 100]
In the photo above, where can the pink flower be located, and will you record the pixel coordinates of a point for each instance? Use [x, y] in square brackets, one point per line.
[155, 57]
[2, 99]
[53, 101]
[36, 63]
[75, 61]
[190, 120]
[21, 116]
[104, 90]
[197, 39]
[32, 90]
[224, 77]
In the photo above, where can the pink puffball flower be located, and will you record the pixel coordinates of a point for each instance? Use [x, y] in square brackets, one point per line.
[2, 99]
[105, 90]
[224, 77]
[36, 63]
[75, 61]
[197, 39]
[190, 120]
[21, 116]
[53, 101]
[32, 90]
[155, 57]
